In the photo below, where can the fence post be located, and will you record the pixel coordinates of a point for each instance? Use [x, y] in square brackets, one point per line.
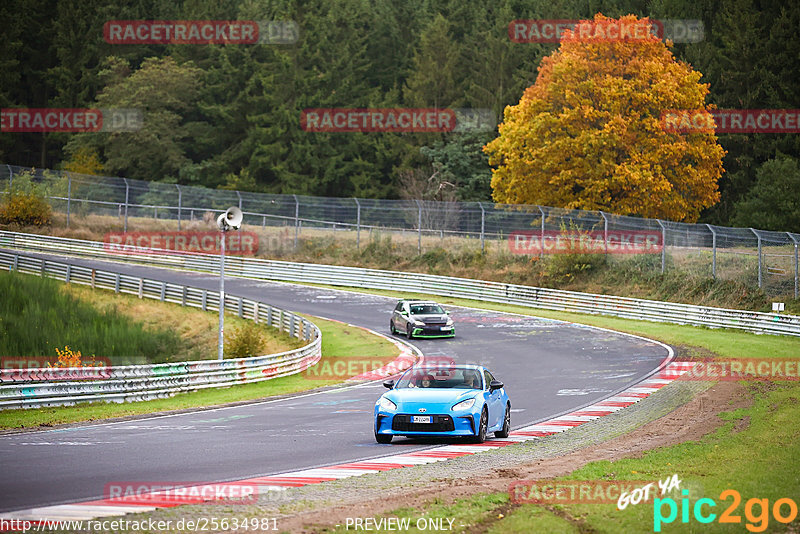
[663, 246]
[605, 231]
[239, 195]
[419, 226]
[180, 205]
[713, 252]
[483, 226]
[541, 240]
[759, 257]
[296, 220]
[796, 273]
[127, 192]
[10, 176]
[358, 224]
[69, 194]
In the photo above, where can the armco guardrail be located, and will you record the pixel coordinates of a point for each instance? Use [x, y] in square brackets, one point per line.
[27, 388]
[534, 297]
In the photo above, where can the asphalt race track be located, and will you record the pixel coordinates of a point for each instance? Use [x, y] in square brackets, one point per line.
[548, 368]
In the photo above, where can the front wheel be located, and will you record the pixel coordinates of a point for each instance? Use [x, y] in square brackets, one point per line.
[383, 438]
[480, 437]
[391, 328]
[409, 331]
[506, 424]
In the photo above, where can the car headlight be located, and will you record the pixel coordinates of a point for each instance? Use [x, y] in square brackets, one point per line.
[386, 404]
[418, 323]
[464, 405]
[449, 322]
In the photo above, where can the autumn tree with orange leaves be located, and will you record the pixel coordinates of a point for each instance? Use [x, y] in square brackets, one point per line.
[588, 134]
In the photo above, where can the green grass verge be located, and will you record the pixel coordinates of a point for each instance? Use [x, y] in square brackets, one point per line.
[755, 452]
[37, 316]
[337, 340]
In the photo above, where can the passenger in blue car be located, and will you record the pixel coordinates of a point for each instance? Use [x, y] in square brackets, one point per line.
[426, 381]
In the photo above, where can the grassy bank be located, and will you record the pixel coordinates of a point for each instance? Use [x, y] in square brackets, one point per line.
[38, 315]
[338, 340]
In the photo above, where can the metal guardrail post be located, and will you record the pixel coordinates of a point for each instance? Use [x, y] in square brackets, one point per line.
[419, 226]
[663, 246]
[116, 283]
[483, 226]
[68, 276]
[759, 257]
[358, 224]
[296, 220]
[239, 195]
[180, 205]
[10, 176]
[713, 251]
[69, 194]
[127, 193]
[796, 273]
[605, 231]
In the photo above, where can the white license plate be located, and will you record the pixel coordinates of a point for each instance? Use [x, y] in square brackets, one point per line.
[446, 328]
[421, 419]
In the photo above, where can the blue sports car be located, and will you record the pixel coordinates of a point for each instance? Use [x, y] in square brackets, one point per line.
[448, 401]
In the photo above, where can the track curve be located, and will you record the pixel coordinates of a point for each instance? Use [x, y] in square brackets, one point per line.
[549, 368]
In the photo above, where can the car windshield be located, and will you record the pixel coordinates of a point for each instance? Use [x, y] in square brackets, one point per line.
[426, 309]
[453, 378]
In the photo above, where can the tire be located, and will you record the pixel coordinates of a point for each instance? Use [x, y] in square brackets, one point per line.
[383, 438]
[506, 424]
[480, 437]
[409, 330]
[391, 328]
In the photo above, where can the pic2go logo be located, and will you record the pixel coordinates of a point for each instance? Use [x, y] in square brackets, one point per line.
[756, 523]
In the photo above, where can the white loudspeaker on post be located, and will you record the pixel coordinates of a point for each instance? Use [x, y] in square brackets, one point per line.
[231, 219]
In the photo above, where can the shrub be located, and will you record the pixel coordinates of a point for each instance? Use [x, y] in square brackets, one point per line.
[24, 203]
[245, 342]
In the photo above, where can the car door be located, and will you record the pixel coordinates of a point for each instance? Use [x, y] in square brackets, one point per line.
[494, 400]
[397, 318]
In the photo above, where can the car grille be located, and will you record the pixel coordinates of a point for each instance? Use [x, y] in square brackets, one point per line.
[435, 322]
[441, 423]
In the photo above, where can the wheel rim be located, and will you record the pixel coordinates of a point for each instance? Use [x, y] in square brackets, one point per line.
[484, 422]
[507, 422]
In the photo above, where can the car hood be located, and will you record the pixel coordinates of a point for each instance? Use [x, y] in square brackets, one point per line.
[434, 400]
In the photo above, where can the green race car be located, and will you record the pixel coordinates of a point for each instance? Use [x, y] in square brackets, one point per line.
[421, 318]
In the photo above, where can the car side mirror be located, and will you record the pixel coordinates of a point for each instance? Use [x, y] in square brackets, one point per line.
[447, 312]
[404, 313]
[494, 385]
[388, 384]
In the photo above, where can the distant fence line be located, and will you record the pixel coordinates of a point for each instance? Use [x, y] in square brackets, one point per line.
[766, 258]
